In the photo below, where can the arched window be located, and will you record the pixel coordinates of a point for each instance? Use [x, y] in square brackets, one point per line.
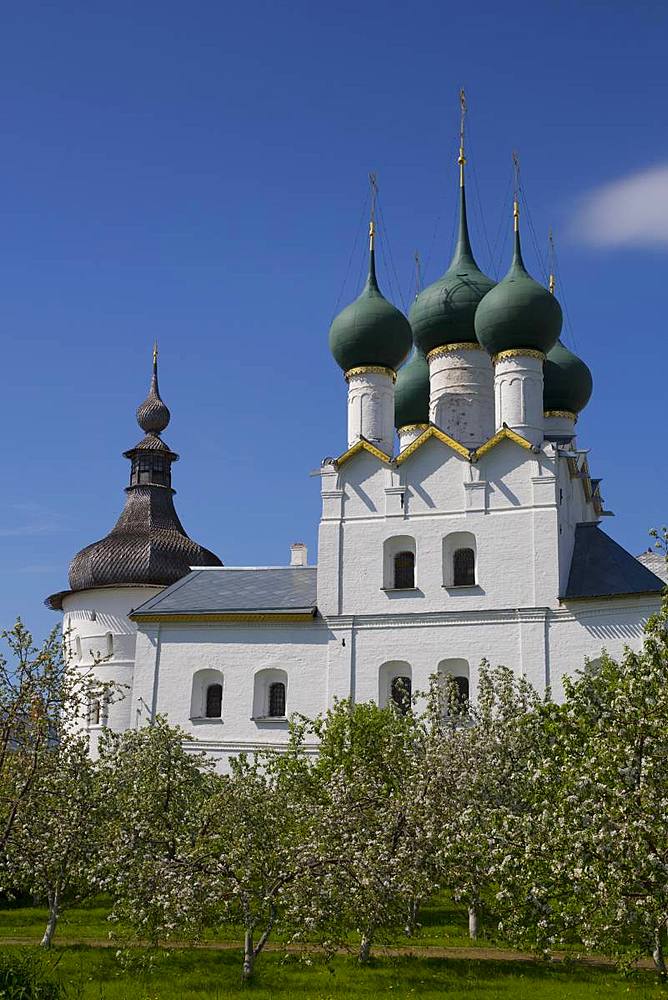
[94, 712]
[460, 560]
[399, 563]
[400, 692]
[77, 646]
[207, 695]
[395, 679]
[404, 570]
[270, 694]
[277, 700]
[454, 685]
[214, 701]
[463, 569]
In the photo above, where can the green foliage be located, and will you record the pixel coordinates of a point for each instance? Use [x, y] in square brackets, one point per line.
[24, 976]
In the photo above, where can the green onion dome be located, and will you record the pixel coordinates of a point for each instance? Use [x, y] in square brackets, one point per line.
[444, 312]
[411, 392]
[370, 331]
[567, 381]
[519, 313]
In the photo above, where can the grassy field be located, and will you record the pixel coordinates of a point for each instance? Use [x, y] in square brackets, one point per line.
[95, 973]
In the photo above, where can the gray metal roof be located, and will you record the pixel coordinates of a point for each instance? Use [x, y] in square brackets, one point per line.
[602, 568]
[655, 562]
[231, 589]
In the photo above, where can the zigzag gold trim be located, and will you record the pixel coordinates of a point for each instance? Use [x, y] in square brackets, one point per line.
[505, 434]
[437, 352]
[359, 446]
[220, 616]
[412, 427]
[433, 432]
[370, 370]
[564, 414]
[518, 352]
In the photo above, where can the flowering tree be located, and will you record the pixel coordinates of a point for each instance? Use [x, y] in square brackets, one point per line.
[375, 826]
[47, 798]
[154, 793]
[55, 840]
[485, 789]
[615, 798]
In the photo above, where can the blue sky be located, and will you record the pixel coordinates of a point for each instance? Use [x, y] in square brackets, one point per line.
[197, 173]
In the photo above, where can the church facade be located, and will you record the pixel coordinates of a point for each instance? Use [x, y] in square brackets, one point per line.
[475, 537]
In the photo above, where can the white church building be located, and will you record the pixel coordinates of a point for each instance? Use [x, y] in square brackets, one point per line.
[476, 536]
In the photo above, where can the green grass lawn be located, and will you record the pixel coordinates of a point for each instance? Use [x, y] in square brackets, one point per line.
[95, 974]
[443, 923]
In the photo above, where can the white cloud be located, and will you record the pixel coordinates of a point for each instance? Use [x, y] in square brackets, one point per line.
[632, 211]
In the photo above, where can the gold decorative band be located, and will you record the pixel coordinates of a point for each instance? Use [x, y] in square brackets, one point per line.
[451, 348]
[562, 414]
[519, 352]
[413, 427]
[370, 370]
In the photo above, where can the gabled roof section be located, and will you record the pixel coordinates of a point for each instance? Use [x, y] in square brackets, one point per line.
[439, 435]
[505, 434]
[602, 568]
[362, 445]
[280, 593]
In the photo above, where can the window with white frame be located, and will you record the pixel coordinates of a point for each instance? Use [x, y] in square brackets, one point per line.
[399, 563]
[270, 693]
[207, 695]
[395, 684]
[454, 684]
[460, 560]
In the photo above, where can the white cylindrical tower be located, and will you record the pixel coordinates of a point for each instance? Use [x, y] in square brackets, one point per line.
[146, 550]
[461, 397]
[371, 406]
[559, 425]
[410, 433]
[518, 392]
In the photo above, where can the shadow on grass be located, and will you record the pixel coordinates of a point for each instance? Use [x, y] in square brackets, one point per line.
[95, 974]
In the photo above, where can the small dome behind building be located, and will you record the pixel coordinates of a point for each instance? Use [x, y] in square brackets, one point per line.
[567, 381]
[411, 392]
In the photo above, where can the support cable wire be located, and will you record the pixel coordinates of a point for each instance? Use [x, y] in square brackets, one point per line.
[501, 238]
[562, 295]
[358, 230]
[392, 268]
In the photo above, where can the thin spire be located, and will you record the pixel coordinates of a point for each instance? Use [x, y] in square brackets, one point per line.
[550, 257]
[462, 119]
[463, 248]
[517, 254]
[371, 280]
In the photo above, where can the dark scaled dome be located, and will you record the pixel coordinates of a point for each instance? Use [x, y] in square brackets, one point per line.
[567, 381]
[411, 392]
[519, 313]
[148, 544]
[153, 415]
[444, 312]
[370, 331]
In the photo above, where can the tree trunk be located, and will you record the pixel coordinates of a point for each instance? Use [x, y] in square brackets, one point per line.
[474, 914]
[365, 949]
[657, 953]
[52, 921]
[413, 910]
[249, 957]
